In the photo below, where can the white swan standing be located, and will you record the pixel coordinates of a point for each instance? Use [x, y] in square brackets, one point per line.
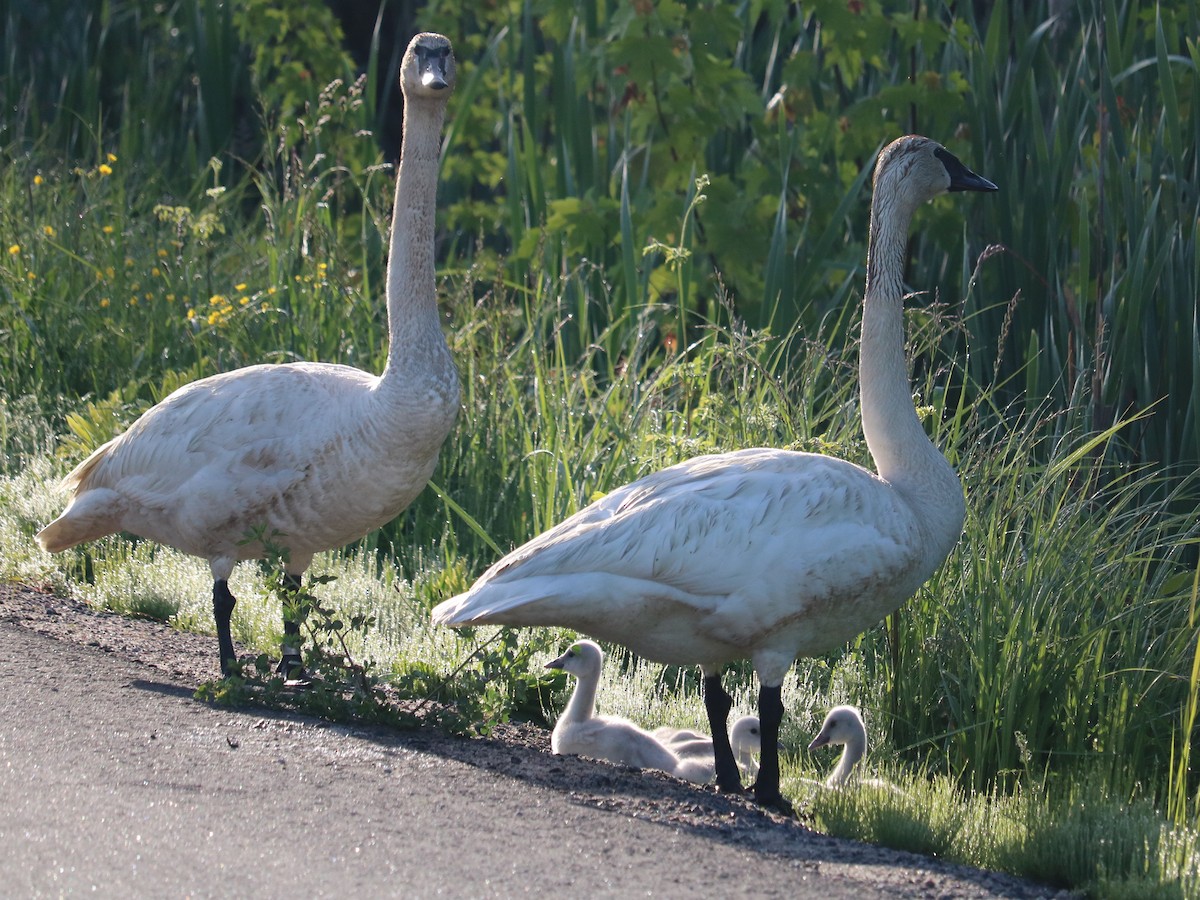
[766, 554]
[319, 454]
[843, 726]
[581, 732]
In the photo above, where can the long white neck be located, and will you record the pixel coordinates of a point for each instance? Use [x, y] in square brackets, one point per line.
[855, 749]
[415, 335]
[903, 454]
[582, 705]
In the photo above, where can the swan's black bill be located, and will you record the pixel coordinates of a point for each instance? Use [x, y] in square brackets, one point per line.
[434, 61]
[962, 178]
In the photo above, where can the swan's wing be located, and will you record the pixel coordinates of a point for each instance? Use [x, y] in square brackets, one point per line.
[230, 443]
[255, 419]
[737, 541]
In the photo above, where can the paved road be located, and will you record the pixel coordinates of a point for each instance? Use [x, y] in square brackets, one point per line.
[117, 783]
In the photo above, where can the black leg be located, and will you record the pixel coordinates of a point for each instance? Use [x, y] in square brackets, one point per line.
[718, 703]
[291, 667]
[223, 603]
[770, 715]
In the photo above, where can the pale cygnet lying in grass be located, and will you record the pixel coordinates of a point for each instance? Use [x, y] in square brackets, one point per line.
[580, 731]
[745, 737]
[844, 725]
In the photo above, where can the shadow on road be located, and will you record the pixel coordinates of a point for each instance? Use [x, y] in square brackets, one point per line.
[521, 752]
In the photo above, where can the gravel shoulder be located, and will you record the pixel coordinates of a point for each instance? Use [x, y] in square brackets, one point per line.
[118, 782]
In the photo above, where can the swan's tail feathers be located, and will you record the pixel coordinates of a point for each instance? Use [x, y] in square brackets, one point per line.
[460, 611]
[89, 516]
[494, 604]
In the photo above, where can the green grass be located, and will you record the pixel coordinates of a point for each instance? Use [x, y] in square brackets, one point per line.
[640, 263]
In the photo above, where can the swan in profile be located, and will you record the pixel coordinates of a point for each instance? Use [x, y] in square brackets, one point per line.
[763, 553]
[842, 726]
[581, 732]
[745, 737]
[315, 454]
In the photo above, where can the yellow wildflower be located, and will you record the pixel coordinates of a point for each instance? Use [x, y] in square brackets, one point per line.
[133, 301]
[191, 314]
[170, 298]
[162, 254]
[105, 169]
[31, 276]
[38, 179]
[156, 271]
[110, 272]
[14, 249]
[240, 287]
[112, 157]
[103, 302]
[107, 229]
[48, 230]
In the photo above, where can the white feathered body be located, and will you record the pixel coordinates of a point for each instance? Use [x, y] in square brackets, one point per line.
[760, 552]
[614, 739]
[280, 446]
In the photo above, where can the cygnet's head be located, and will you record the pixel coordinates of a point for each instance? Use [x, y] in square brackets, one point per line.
[428, 69]
[843, 725]
[746, 736]
[582, 659]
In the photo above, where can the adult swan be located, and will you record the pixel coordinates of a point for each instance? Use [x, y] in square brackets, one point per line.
[766, 554]
[319, 454]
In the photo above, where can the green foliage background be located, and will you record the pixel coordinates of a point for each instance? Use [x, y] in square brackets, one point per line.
[580, 129]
